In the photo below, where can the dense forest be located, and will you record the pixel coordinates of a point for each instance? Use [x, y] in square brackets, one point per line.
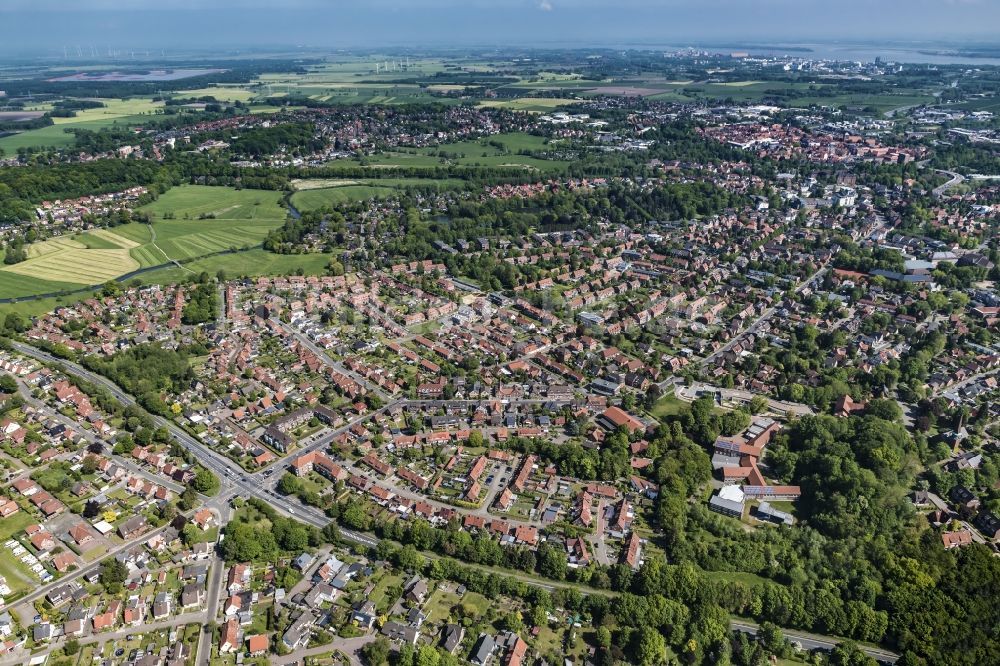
[292, 138]
[969, 158]
[147, 371]
[857, 567]
[202, 304]
[22, 187]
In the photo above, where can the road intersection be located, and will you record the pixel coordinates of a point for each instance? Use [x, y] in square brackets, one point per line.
[236, 482]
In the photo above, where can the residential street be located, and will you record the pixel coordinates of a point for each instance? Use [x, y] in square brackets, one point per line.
[349, 646]
[176, 621]
[42, 590]
[235, 482]
[322, 355]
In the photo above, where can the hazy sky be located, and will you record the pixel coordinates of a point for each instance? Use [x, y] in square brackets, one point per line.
[50, 24]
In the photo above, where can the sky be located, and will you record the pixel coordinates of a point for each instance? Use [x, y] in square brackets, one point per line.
[49, 25]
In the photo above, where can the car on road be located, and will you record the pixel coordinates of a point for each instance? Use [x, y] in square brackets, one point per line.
[489, 479]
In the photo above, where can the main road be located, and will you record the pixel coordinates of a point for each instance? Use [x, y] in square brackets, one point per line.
[815, 642]
[956, 179]
[236, 482]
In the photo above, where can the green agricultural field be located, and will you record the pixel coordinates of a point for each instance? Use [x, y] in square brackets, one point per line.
[512, 142]
[302, 184]
[222, 93]
[318, 198]
[248, 263]
[393, 159]
[69, 260]
[234, 219]
[126, 113]
[113, 108]
[353, 80]
[224, 203]
[535, 104]
[106, 239]
[313, 194]
[52, 246]
[483, 153]
[195, 220]
[36, 307]
[78, 266]
[980, 104]
[178, 240]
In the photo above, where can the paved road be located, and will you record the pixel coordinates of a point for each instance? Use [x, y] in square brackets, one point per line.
[236, 482]
[957, 386]
[319, 443]
[221, 320]
[349, 646]
[943, 506]
[41, 591]
[956, 178]
[815, 642]
[599, 543]
[176, 621]
[752, 328]
[339, 367]
[215, 582]
[91, 437]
